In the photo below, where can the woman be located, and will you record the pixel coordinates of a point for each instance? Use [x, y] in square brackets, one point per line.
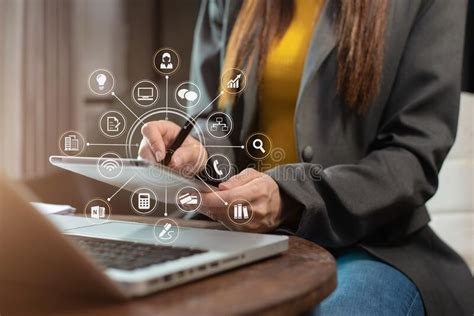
[371, 95]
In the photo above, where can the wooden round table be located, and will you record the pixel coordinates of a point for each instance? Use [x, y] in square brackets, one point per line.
[287, 284]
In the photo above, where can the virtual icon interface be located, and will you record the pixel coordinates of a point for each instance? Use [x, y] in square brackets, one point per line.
[258, 146]
[110, 165]
[188, 199]
[71, 143]
[145, 93]
[240, 212]
[188, 94]
[97, 212]
[233, 81]
[219, 125]
[143, 201]
[112, 124]
[166, 61]
[218, 167]
[101, 82]
[166, 231]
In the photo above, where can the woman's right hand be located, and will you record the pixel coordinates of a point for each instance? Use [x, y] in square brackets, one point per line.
[158, 136]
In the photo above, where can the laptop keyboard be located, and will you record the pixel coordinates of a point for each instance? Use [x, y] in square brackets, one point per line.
[126, 255]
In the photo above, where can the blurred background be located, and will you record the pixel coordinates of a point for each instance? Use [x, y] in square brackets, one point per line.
[48, 48]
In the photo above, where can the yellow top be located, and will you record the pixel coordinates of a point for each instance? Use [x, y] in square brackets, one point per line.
[281, 79]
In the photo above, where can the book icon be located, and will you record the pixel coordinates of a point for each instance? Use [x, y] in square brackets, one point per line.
[240, 211]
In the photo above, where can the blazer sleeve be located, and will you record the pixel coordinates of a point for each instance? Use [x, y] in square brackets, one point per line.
[207, 56]
[344, 204]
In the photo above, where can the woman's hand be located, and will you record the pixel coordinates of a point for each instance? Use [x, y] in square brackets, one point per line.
[189, 158]
[259, 189]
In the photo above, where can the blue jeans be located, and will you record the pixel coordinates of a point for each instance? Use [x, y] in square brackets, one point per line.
[367, 286]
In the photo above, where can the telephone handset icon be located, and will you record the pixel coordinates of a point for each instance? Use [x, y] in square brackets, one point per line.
[215, 164]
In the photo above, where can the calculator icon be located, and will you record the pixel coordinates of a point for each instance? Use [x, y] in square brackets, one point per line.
[144, 201]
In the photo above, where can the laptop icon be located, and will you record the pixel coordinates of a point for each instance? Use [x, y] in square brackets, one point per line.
[145, 94]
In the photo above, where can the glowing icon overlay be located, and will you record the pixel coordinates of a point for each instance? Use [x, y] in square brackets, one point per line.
[218, 167]
[112, 124]
[166, 61]
[143, 201]
[145, 93]
[258, 146]
[187, 94]
[97, 210]
[101, 82]
[166, 231]
[188, 199]
[233, 81]
[71, 143]
[110, 165]
[219, 125]
[240, 212]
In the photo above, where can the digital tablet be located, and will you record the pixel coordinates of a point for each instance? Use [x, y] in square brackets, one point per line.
[131, 174]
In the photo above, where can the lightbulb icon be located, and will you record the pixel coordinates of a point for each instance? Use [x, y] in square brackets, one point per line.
[101, 79]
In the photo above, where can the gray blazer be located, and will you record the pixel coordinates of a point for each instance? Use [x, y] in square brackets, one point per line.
[378, 169]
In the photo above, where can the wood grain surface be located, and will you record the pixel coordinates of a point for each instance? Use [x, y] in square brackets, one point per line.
[287, 284]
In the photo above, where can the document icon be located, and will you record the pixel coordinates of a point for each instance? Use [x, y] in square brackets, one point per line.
[113, 124]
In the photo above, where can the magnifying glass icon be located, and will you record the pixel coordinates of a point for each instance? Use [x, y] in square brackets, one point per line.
[258, 144]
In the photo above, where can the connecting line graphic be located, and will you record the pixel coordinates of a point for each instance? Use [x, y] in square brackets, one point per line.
[218, 96]
[119, 145]
[166, 95]
[225, 146]
[120, 100]
[131, 178]
[166, 200]
[213, 191]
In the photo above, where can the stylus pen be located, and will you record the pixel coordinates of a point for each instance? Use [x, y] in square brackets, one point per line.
[183, 133]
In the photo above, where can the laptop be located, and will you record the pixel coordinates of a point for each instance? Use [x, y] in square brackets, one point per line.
[112, 259]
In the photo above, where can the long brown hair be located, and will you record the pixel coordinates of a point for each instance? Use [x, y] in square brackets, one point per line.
[360, 30]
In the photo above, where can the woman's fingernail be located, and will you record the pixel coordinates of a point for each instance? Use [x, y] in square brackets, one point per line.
[158, 156]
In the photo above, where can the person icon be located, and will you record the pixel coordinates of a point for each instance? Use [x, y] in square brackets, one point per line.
[166, 61]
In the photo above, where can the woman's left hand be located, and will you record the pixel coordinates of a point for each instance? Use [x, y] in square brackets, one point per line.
[257, 188]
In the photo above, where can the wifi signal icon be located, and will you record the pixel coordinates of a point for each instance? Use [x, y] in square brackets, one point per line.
[110, 164]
